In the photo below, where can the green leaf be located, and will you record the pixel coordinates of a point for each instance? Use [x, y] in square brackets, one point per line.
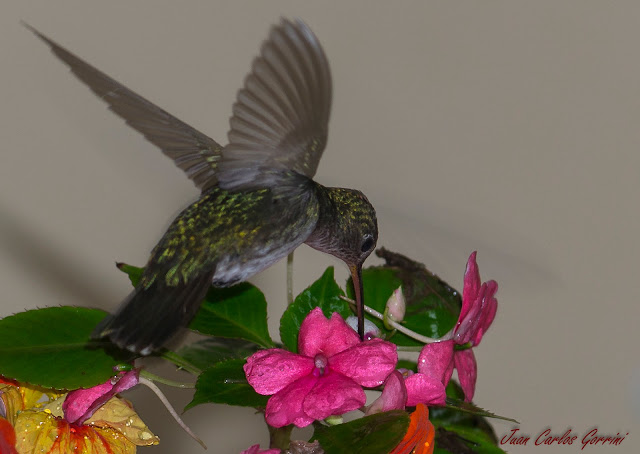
[239, 311]
[324, 293]
[374, 434]
[458, 412]
[464, 440]
[134, 272]
[50, 347]
[473, 409]
[443, 416]
[432, 305]
[207, 352]
[225, 383]
[462, 427]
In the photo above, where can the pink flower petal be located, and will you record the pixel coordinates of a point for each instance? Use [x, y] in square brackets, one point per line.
[333, 394]
[80, 404]
[285, 407]
[478, 306]
[251, 450]
[465, 363]
[313, 329]
[79, 401]
[269, 371]
[255, 449]
[368, 363]
[471, 285]
[321, 335]
[393, 397]
[490, 306]
[436, 361]
[435, 366]
[466, 327]
[424, 389]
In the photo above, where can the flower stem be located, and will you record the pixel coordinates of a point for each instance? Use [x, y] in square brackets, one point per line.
[180, 362]
[166, 381]
[170, 409]
[290, 278]
[396, 325]
[280, 437]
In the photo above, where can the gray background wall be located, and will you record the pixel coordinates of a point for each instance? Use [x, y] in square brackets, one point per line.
[506, 127]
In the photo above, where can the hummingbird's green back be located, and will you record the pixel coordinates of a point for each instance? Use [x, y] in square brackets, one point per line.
[237, 234]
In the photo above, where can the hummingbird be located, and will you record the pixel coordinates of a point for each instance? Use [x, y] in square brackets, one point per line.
[259, 201]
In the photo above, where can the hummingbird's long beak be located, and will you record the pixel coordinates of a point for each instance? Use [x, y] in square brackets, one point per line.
[356, 276]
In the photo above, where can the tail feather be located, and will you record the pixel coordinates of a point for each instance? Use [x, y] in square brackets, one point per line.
[149, 317]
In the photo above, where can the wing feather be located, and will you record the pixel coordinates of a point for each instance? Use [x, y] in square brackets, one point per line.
[192, 151]
[280, 119]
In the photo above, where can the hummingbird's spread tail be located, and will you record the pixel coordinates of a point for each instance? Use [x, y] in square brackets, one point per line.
[150, 316]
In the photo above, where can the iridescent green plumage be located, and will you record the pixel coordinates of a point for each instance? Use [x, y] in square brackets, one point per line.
[238, 228]
[258, 200]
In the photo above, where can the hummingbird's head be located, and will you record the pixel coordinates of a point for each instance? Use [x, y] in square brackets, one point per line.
[347, 227]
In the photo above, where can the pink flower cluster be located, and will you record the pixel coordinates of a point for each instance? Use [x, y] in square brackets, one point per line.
[327, 376]
[437, 361]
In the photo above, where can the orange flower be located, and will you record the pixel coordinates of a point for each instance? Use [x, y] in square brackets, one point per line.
[419, 438]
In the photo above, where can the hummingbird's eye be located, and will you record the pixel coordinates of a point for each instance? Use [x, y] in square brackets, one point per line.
[367, 243]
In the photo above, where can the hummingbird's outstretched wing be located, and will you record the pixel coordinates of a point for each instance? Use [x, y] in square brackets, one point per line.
[192, 151]
[280, 119]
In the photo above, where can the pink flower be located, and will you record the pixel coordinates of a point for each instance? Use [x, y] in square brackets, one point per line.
[81, 404]
[479, 306]
[255, 449]
[326, 378]
[434, 371]
[393, 397]
[437, 360]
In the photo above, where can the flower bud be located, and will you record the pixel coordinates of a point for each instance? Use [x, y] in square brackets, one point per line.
[334, 420]
[370, 328]
[396, 305]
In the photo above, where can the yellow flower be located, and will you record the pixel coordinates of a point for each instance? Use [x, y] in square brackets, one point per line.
[17, 398]
[38, 420]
